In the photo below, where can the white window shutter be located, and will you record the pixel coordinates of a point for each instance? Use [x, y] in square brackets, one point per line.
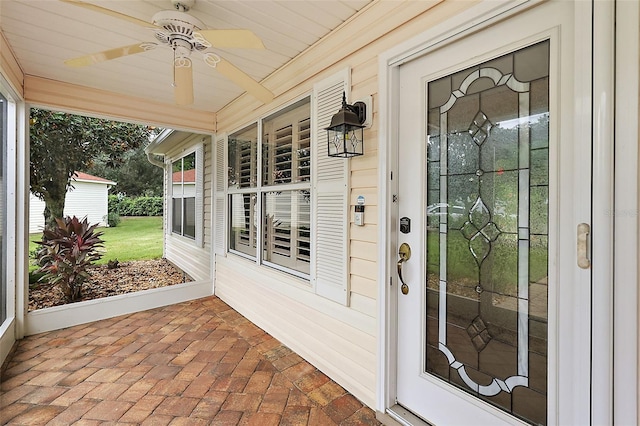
[330, 196]
[168, 197]
[219, 198]
[200, 196]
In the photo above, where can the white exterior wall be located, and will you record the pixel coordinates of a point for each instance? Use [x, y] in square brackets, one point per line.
[182, 251]
[342, 341]
[88, 199]
[36, 214]
[188, 188]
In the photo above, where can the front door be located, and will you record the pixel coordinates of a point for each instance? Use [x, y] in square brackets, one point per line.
[493, 318]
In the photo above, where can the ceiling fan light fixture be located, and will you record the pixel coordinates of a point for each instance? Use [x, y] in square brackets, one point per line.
[211, 59]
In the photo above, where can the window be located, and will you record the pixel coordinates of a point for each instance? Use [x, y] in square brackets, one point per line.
[277, 207]
[183, 196]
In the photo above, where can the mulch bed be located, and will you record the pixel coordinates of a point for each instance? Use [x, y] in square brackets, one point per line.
[127, 278]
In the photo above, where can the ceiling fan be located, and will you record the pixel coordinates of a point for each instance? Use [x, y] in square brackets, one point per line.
[184, 34]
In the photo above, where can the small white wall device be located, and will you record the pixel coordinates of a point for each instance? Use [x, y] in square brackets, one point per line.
[359, 212]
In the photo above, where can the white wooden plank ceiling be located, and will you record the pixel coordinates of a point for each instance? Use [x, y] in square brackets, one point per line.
[45, 33]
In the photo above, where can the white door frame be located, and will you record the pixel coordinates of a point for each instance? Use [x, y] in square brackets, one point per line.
[625, 262]
[601, 81]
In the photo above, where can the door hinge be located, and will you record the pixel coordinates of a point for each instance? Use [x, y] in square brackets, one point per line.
[394, 198]
[390, 281]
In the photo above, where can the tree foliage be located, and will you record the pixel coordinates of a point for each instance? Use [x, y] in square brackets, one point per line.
[62, 144]
[136, 177]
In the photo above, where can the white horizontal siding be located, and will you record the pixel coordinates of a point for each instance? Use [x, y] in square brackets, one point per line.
[184, 252]
[187, 190]
[195, 261]
[336, 339]
[87, 199]
[84, 199]
[36, 214]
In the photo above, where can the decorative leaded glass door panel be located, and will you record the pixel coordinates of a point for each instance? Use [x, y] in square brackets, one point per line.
[479, 178]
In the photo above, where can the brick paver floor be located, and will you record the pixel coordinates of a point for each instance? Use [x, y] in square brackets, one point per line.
[192, 363]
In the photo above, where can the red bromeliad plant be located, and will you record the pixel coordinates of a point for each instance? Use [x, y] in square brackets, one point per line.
[67, 250]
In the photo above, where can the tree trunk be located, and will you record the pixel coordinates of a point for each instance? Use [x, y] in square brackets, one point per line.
[54, 208]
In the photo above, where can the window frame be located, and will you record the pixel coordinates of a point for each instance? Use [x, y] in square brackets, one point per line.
[198, 152]
[295, 113]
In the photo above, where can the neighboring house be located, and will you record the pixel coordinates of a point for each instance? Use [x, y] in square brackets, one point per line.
[520, 307]
[88, 196]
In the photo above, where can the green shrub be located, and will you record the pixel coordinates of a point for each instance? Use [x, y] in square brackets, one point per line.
[136, 206]
[113, 219]
[67, 250]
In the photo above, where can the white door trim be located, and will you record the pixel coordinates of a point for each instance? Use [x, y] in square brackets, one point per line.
[601, 221]
[625, 267]
[474, 18]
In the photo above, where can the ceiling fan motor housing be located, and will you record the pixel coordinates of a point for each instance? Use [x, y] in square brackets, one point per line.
[179, 28]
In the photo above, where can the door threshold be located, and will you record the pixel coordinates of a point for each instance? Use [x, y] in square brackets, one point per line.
[405, 417]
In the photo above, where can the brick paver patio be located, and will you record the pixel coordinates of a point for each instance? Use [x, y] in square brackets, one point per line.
[194, 363]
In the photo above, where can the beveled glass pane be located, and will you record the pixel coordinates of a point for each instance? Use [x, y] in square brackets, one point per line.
[539, 210]
[499, 191]
[499, 272]
[462, 266]
[462, 154]
[433, 178]
[539, 167]
[433, 148]
[439, 93]
[487, 268]
[462, 115]
[532, 63]
[538, 259]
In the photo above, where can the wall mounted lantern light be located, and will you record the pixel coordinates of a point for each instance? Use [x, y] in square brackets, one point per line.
[345, 133]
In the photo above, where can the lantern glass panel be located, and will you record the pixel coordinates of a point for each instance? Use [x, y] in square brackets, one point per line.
[345, 141]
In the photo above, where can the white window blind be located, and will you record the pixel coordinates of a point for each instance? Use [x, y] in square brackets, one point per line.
[286, 161]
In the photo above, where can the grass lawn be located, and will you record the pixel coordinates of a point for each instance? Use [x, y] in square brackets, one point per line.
[135, 238]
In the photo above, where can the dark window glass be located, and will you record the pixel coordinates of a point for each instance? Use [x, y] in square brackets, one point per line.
[189, 216]
[176, 222]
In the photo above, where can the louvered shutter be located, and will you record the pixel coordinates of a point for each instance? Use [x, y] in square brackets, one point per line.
[219, 198]
[168, 199]
[330, 196]
[200, 195]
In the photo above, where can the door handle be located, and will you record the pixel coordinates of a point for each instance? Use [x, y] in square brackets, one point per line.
[583, 246]
[405, 254]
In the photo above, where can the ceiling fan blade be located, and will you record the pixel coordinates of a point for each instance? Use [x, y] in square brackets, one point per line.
[243, 80]
[107, 55]
[243, 39]
[183, 83]
[109, 12]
